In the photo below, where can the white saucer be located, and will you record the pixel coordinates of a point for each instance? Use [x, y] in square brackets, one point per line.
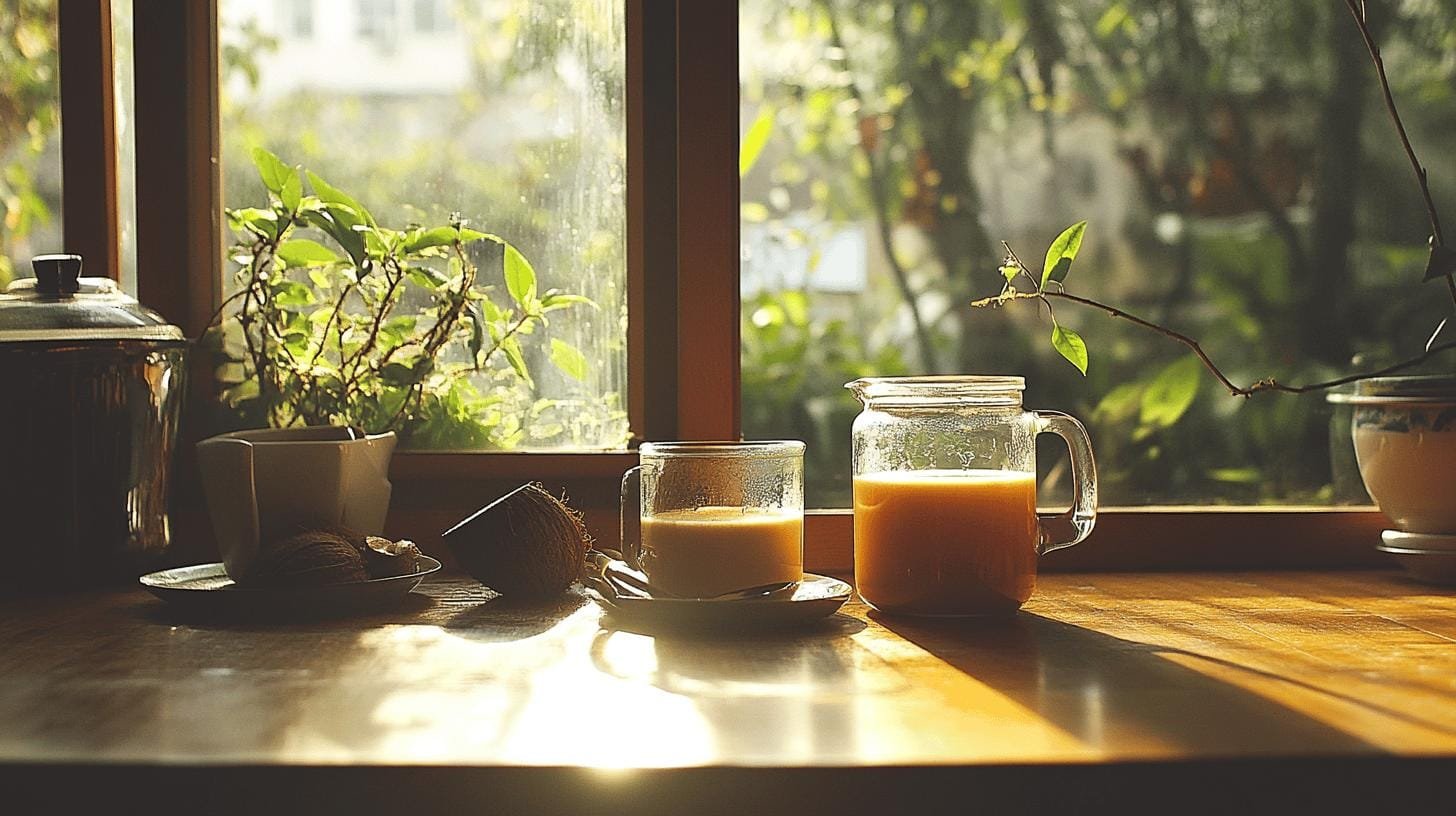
[1431, 566]
[817, 596]
[1418, 541]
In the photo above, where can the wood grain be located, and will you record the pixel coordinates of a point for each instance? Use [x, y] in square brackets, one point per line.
[1307, 681]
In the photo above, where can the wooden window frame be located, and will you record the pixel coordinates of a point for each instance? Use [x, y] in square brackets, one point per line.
[682, 259]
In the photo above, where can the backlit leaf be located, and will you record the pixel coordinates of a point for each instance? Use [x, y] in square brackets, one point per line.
[1071, 346]
[330, 194]
[1171, 392]
[569, 359]
[520, 277]
[755, 139]
[512, 348]
[303, 252]
[1061, 253]
[271, 170]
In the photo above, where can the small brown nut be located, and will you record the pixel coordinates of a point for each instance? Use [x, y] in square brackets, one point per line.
[387, 559]
[313, 558]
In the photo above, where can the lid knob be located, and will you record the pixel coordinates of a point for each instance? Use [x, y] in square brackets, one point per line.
[57, 274]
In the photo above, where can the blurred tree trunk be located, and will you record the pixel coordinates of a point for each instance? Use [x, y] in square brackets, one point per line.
[1326, 288]
[946, 115]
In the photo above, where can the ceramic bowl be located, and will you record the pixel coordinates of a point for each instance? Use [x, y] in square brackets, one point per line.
[1404, 429]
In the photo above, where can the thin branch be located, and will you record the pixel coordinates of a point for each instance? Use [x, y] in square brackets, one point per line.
[1357, 10]
[1266, 384]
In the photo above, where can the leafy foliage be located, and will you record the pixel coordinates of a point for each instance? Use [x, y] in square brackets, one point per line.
[387, 329]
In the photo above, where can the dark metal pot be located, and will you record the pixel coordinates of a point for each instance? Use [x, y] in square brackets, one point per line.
[91, 388]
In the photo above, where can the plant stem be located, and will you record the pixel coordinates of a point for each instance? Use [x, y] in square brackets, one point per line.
[1357, 10]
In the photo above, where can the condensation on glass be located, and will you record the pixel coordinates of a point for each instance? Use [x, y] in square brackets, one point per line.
[509, 113]
[1241, 182]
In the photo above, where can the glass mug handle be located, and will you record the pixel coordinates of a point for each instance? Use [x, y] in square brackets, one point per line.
[1071, 527]
[631, 533]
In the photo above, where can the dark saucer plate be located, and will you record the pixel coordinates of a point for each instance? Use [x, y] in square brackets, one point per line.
[207, 587]
[816, 597]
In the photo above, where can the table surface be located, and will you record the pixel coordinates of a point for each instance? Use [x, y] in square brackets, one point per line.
[1097, 670]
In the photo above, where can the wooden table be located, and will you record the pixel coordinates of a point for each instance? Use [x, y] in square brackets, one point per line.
[1275, 689]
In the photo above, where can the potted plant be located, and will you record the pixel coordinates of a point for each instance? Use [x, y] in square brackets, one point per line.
[340, 320]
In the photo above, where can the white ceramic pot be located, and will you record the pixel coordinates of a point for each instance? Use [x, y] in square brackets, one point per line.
[1404, 429]
[266, 484]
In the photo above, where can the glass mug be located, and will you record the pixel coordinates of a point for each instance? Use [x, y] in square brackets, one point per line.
[715, 517]
[945, 520]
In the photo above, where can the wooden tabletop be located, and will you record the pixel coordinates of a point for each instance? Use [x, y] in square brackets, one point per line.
[1279, 686]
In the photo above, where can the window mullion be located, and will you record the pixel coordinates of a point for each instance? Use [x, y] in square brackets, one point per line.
[88, 135]
[178, 179]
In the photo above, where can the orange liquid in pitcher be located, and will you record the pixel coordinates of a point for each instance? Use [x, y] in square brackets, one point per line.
[945, 542]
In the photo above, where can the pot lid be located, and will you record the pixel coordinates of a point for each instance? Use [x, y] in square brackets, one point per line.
[59, 304]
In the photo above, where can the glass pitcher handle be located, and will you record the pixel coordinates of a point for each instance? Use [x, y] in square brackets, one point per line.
[1071, 527]
[631, 533]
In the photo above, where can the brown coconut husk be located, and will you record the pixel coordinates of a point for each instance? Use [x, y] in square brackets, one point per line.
[310, 558]
[527, 545]
[332, 555]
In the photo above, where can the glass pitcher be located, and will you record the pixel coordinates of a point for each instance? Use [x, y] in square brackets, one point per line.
[945, 519]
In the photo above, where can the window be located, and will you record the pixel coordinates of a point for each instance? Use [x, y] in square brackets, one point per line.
[30, 144]
[300, 18]
[377, 18]
[682, 284]
[431, 16]
[520, 134]
[1240, 179]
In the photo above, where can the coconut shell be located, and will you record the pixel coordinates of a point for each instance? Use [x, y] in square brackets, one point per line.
[526, 545]
[313, 558]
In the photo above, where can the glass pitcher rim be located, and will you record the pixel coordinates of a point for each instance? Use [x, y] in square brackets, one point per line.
[942, 388]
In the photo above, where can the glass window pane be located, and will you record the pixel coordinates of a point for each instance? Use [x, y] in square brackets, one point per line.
[508, 113]
[1235, 164]
[30, 137]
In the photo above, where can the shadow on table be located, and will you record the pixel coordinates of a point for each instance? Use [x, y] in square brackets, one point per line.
[1105, 690]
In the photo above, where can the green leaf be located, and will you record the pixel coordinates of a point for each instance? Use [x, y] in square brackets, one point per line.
[520, 277]
[512, 348]
[1060, 254]
[1071, 346]
[272, 170]
[426, 277]
[1010, 271]
[330, 194]
[554, 300]
[292, 193]
[755, 139]
[260, 222]
[303, 252]
[1171, 392]
[439, 236]
[292, 295]
[569, 359]
[470, 236]
[1441, 263]
[339, 220]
